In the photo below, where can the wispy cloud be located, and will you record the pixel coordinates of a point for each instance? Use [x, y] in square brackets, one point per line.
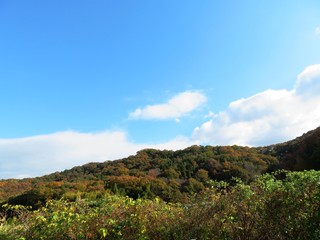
[39, 155]
[268, 117]
[317, 31]
[174, 108]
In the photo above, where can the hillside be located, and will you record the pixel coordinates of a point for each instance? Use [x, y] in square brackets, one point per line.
[185, 194]
[171, 175]
[302, 153]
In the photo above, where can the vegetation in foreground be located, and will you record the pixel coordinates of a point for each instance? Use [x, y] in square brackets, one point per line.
[170, 175]
[282, 205]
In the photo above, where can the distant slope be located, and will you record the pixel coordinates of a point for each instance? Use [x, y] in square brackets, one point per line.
[170, 175]
[302, 153]
[220, 162]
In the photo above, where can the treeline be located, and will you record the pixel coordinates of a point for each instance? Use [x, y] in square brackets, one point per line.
[201, 192]
[173, 176]
[302, 153]
[278, 206]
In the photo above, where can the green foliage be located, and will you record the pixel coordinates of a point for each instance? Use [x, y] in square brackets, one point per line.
[283, 205]
[155, 169]
[147, 174]
[201, 192]
[302, 153]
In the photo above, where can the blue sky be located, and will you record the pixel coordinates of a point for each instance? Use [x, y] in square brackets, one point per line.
[86, 81]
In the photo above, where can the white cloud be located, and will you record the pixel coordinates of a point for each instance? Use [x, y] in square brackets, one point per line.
[317, 31]
[268, 117]
[308, 82]
[39, 155]
[174, 108]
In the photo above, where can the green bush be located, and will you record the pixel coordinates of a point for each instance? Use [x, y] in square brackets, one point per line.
[283, 205]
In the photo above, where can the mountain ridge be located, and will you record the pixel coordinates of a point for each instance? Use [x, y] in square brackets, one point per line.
[170, 175]
[301, 153]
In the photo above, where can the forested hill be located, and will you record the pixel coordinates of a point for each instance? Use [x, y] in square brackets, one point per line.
[170, 175]
[199, 162]
[220, 162]
[302, 153]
